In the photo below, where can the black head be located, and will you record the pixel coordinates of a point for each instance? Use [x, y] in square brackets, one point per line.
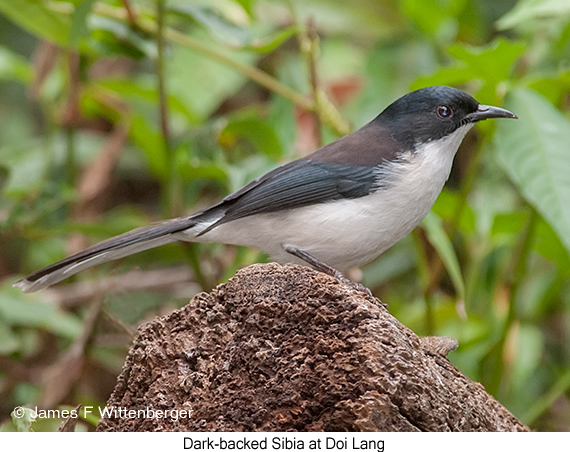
[432, 113]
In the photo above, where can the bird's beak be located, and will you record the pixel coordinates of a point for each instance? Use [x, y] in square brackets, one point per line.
[486, 112]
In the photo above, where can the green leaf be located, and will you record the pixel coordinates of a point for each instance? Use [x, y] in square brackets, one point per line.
[200, 82]
[556, 390]
[391, 67]
[528, 10]
[554, 87]
[529, 346]
[14, 67]
[194, 169]
[533, 151]
[142, 94]
[79, 27]
[27, 165]
[248, 169]
[24, 310]
[457, 74]
[491, 64]
[435, 18]
[218, 25]
[35, 17]
[247, 5]
[257, 131]
[509, 225]
[9, 342]
[150, 141]
[446, 207]
[393, 263]
[442, 244]
[547, 242]
[23, 418]
[110, 37]
[268, 45]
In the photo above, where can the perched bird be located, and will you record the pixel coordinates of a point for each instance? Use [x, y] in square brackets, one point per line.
[337, 208]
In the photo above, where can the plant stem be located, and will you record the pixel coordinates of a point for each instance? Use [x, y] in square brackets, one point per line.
[558, 389]
[130, 12]
[468, 181]
[172, 190]
[516, 271]
[70, 172]
[193, 254]
[312, 48]
[307, 39]
[250, 72]
[518, 265]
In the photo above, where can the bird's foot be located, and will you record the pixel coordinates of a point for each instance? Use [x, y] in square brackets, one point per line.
[327, 269]
[357, 286]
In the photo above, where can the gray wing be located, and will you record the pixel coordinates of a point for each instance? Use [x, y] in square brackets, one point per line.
[297, 184]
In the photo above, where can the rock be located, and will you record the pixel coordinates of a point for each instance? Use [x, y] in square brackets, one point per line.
[286, 348]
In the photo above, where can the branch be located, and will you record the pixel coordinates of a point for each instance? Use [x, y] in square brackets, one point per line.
[331, 116]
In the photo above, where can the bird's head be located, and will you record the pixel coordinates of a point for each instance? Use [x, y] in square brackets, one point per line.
[434, 113]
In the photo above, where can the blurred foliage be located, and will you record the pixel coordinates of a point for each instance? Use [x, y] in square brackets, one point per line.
[117, 113]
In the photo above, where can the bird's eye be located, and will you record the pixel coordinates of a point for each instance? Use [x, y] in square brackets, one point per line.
[444, 112]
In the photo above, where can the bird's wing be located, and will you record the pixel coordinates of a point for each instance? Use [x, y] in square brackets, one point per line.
[297, 184]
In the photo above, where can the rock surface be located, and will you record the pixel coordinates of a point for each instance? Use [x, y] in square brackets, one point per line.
[291, 349]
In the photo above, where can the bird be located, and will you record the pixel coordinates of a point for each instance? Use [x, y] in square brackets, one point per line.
[337, 208]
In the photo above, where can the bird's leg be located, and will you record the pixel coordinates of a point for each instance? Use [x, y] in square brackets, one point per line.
[322, 267]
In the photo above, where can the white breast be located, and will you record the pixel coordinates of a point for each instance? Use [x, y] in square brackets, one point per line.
[351, 232]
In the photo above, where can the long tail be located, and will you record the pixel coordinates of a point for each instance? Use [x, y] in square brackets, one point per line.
[114, 248]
